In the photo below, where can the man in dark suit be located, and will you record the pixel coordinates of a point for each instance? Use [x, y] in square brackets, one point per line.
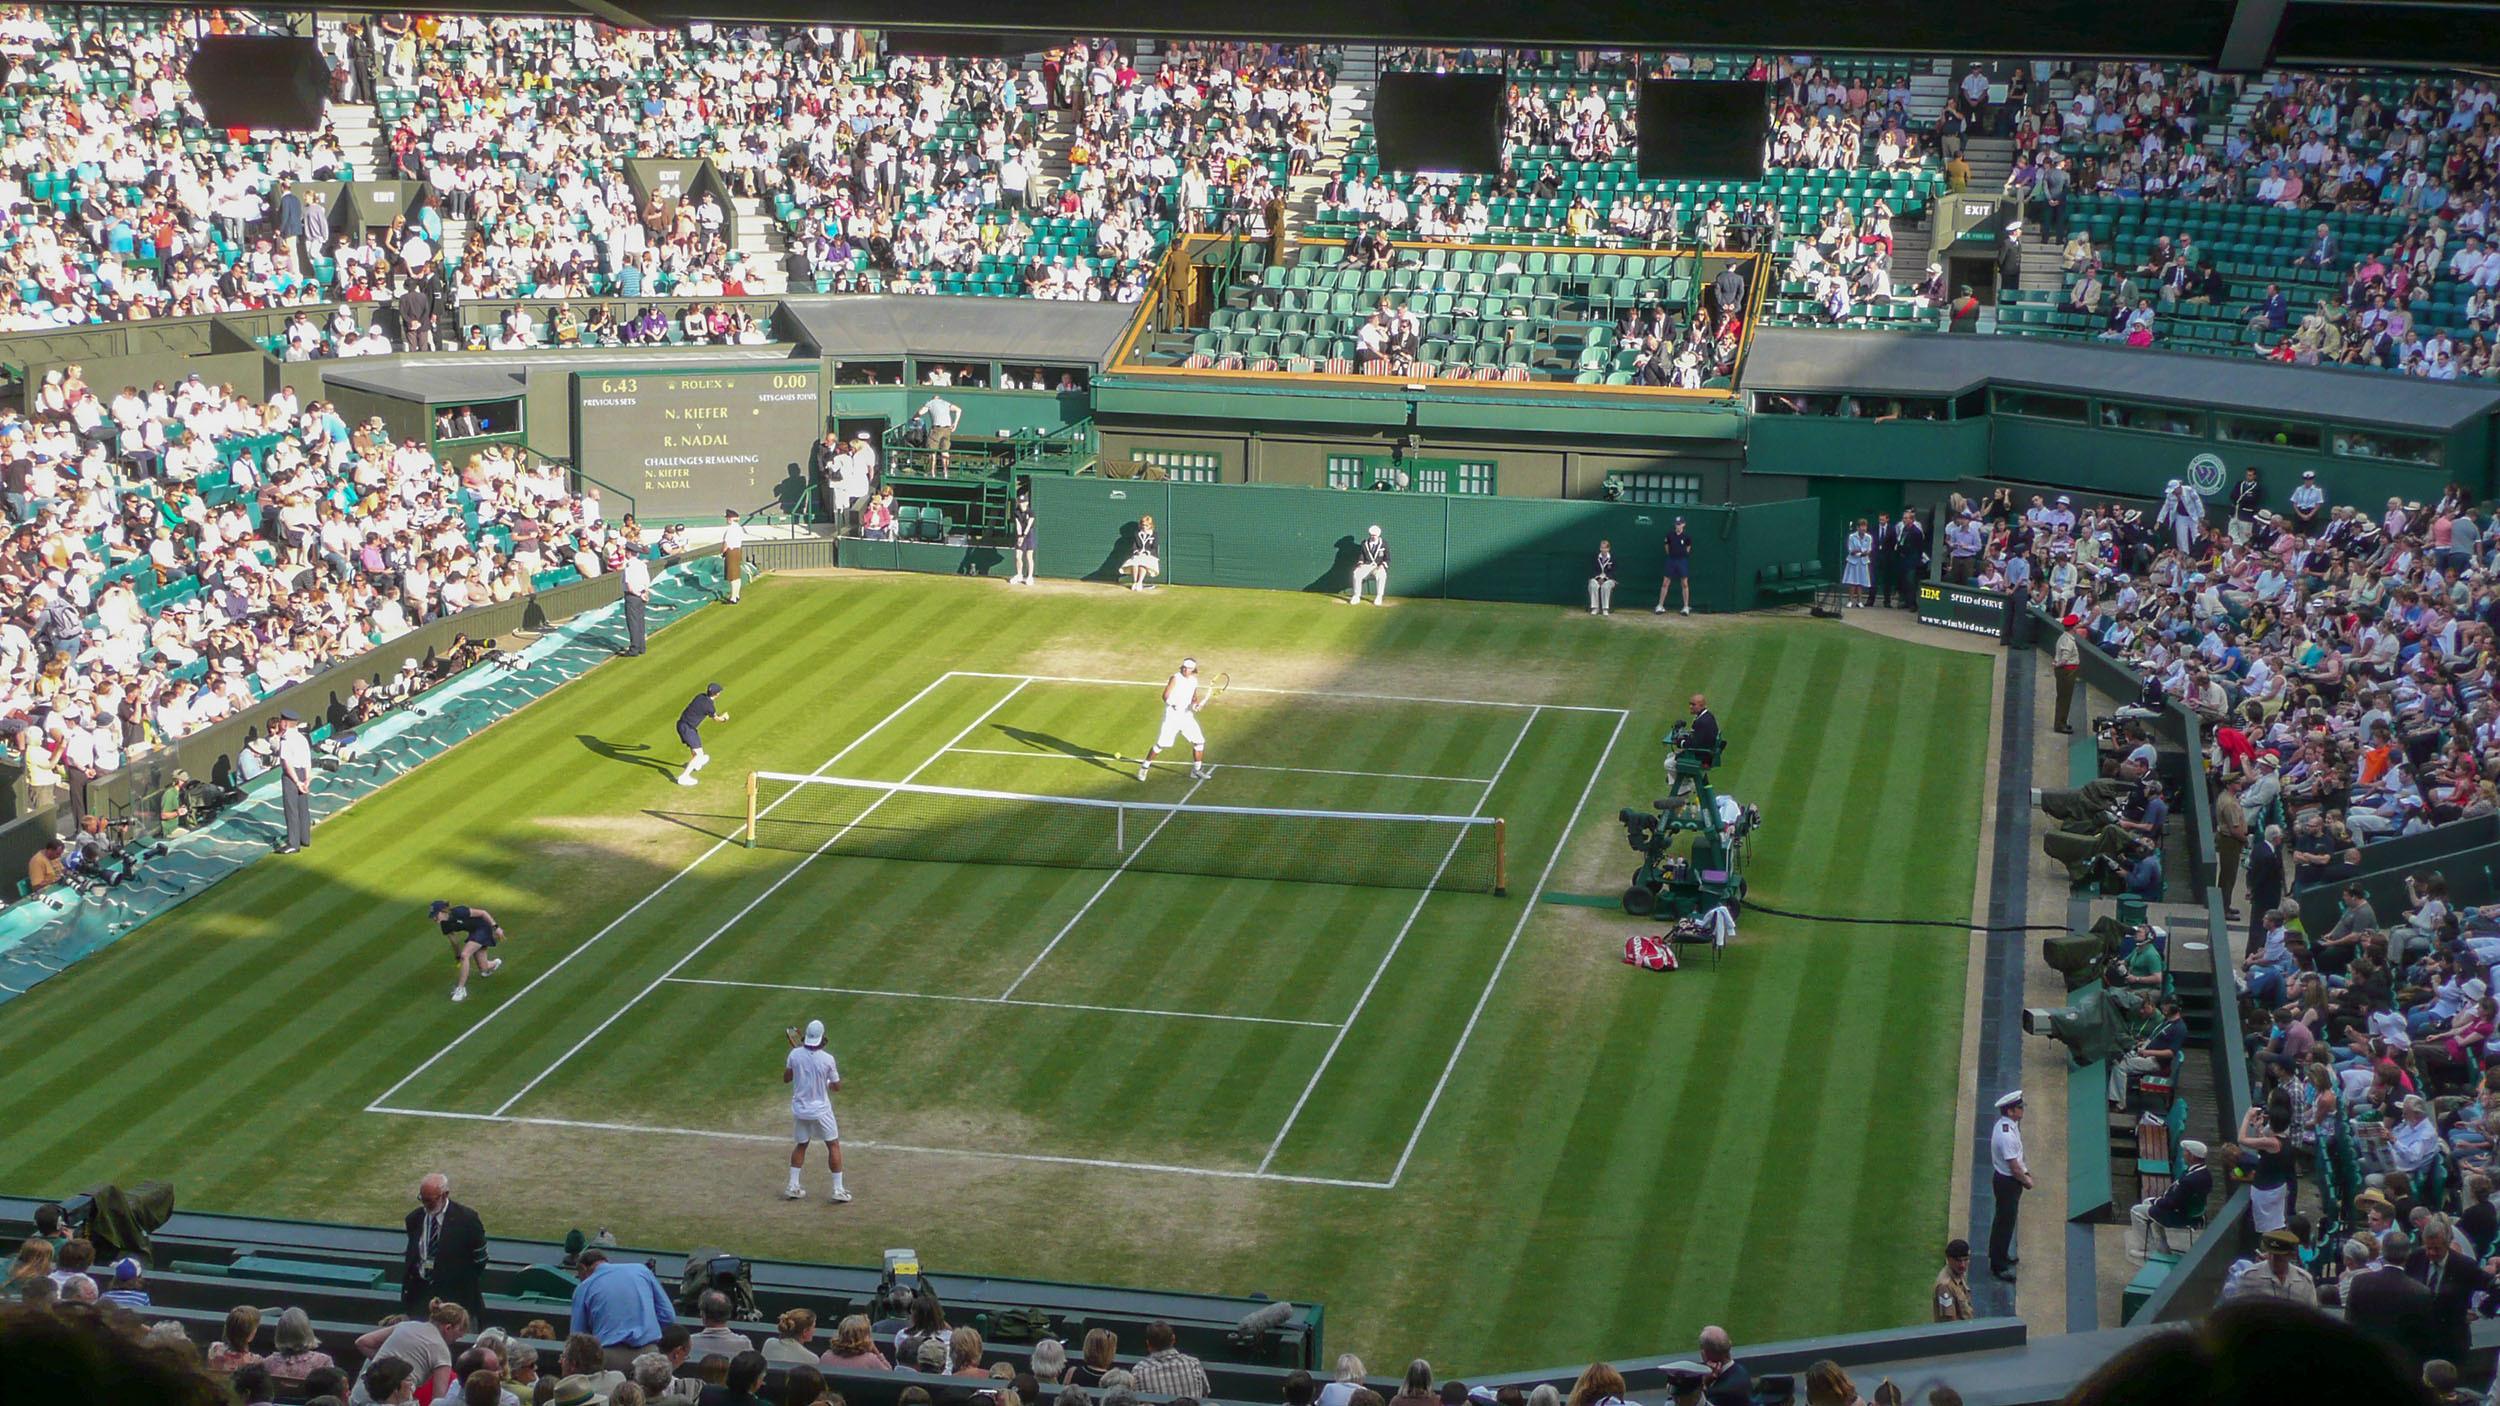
[446, 1256]
[2384, 1302]
[2010, 260]
[2451, 1278]
[1703, 732]
[290, 216]
[1911, 556]
[416, 318]
[1727, 1382]
[1887, 558]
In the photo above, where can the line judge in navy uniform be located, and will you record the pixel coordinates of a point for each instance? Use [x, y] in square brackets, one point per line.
[2010, 1176]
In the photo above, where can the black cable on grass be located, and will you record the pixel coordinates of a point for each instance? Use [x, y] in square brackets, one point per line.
[1752, 906]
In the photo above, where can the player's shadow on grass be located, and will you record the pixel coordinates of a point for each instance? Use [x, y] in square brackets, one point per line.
[630, 753]
[718, 827]
[1043, 741]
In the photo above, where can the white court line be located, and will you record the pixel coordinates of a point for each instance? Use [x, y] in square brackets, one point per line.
[1400, 940]
[714, 1134]
[998, 1001]
[1485, 997]
[752, 904]
[1224, 766]
[1108, 880]
[1307, 693]
[619, 920]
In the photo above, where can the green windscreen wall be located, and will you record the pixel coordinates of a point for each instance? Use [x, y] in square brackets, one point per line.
[1508, 549]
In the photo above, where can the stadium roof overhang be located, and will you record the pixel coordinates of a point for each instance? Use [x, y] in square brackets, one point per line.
[976, 329]
[2237, 34]
[1942, 364]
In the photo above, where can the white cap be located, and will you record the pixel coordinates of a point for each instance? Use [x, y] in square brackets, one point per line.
[1189, 664]
[2009, 1100]
[1375, 529]
[815, 1034]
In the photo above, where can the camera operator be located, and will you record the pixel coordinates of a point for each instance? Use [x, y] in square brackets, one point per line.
[189, 804]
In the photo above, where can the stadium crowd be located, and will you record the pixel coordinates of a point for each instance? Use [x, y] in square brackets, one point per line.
[2407, 291]
[1818, 121]
[180, 551]
[627, 1344]
[2343, 661]
[129, 207]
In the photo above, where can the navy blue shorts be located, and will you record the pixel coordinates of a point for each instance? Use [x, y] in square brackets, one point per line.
[690, 735]
[483, 934]
[1679, 567]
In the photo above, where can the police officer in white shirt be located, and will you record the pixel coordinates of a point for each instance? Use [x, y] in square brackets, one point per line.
[2010, 1176]
[637, 575]
[295, 781]
[2307, 501]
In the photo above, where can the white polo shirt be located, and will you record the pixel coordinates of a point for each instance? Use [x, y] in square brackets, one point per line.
[295, 752]
[2005, 1148]
[637, 576]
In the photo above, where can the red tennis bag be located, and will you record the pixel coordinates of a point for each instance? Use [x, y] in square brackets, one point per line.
[1652, 952]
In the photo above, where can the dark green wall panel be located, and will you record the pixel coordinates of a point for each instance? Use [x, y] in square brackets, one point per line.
[1303, 539]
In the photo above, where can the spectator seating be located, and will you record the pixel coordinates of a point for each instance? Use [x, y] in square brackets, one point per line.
[1801, 197]
[1485, 314]
[345, 1276]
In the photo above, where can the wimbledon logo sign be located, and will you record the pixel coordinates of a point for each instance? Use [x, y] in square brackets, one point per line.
[2205, 474]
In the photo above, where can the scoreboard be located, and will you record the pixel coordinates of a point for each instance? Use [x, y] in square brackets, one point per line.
[690, 443]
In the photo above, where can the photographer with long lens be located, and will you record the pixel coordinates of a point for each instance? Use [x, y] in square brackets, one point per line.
[100, 855]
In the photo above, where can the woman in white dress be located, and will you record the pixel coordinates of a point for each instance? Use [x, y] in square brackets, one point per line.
[1858, 573]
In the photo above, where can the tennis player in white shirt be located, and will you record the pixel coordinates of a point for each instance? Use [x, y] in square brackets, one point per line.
[813, 1078]
[1181, 702]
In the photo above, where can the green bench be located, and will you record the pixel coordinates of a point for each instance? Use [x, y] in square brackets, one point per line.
[1790, 580]
[2145, 1284]
[298, 1272]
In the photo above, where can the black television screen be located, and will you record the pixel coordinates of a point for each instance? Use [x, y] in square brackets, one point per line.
[1693, 131]
[1439, 122]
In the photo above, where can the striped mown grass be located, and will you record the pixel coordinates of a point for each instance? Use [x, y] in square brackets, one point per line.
[1611, 1158]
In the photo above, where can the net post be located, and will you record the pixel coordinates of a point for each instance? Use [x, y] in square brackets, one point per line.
[1501, 857]
[750, 810]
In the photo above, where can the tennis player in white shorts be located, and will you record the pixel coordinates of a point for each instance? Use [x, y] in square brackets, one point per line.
[1180, 719]
[813, 1078]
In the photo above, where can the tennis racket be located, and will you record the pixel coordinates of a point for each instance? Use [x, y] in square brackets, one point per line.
[1216, 689]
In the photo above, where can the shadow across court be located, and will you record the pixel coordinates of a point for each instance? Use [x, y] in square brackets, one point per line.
[630, 753]
[719, 827]
[1043, 741]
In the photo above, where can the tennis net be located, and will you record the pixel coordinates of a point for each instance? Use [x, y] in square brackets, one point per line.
[956, 825]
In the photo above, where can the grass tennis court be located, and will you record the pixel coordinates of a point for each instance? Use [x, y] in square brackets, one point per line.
[1452, 1116]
